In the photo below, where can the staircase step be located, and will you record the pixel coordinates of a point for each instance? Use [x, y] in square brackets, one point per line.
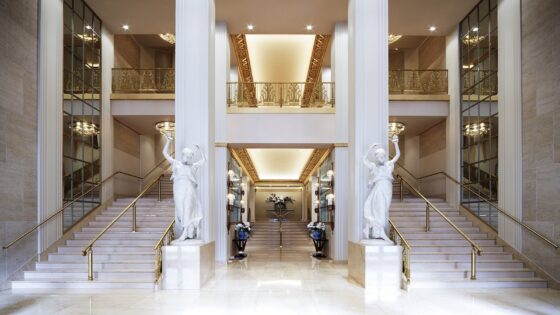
[481, 283]
[455, 248]
[466, 274]
[97, 265]
[450, 242]
[101, 257]
[421, 256]
[80, 274]
[462, 264]
[48, 284]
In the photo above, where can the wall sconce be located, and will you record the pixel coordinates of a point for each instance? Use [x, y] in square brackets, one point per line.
[242, 203]
[243, 189]
[231, 199]
[316, 189]
[330, 174]
[317, 206]
[330, 202]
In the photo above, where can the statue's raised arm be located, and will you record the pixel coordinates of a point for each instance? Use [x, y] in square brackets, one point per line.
[202, 157]
[165, 152]
[395, 141]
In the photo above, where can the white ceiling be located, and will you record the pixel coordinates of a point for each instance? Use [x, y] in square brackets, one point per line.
[280, 58]
[408, 17]
[143, 124]
[279, 164]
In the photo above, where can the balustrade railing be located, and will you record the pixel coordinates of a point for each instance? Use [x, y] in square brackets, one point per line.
[128, 80]
[429, 82]
[262, 94]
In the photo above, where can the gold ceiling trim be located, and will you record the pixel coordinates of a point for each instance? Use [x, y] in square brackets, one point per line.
[315, 64]
[317, 157]
[242, 156]
[239, 42]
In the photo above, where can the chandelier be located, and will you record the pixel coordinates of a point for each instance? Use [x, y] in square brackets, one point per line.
[476, 129]
[395, 128]
[168, 37]
[84, 128]
[88, 38]
[165, 127]
[468, 40]
[393, 38]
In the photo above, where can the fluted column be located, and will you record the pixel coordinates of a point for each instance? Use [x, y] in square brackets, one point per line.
[368, 96]
[194, 94]
[107, 56]
[50, 124]
[509, 119]
[453, 124]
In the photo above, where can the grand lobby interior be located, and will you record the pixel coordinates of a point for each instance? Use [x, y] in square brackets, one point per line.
[279, 157]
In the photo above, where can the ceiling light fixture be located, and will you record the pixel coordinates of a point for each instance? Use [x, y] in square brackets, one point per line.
[309, 27]
[125, 27]
[250, 27]
[88, 27]
[88, 38]
[395, 128]
[393, 38]
[85, 129]
[476, 129]
[168, 37]
[472, 40]
[432, 28]
[475, 29]
[165, 127]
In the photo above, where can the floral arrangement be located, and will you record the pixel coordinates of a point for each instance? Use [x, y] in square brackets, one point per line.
[316, 230]
[279, 201]
[243, 230]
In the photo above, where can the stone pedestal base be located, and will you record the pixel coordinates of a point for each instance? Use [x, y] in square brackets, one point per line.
[187, 265]
[375, 264]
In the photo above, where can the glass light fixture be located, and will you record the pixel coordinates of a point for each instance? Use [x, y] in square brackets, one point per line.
[476, 129]
[330, 199]
[85, 129]
[395, 128]
[88, 37]
[393, 38]
[165, 127]
[330, 174]
[468, 40]
[231, 199]
[168, 37]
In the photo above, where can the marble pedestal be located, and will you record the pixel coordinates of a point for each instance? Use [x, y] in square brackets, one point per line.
[187, 265]
[375, 264]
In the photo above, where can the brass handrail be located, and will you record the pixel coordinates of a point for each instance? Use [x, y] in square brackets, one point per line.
[169, 232]
[66, 206]
[156, 166]
[475, 249]
[514, 219]
[88, 250]
[406, 249]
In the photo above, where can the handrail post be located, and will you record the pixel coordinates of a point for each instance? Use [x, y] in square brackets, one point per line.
[159, 190]
[473, 263]
[427, 217]
[401, 189]
[90, 263]
[134, 217]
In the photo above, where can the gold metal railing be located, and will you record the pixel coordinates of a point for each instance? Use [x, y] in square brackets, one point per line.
[502, 211]
[88, 250]
[280, 94]
[165, 239]
[130, 80]
[66, 205]
[430, 82]
[475, 249]
[399, 239]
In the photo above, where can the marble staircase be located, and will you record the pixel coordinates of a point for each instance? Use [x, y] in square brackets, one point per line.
[265, 234]
[122, 259]
[441, 258]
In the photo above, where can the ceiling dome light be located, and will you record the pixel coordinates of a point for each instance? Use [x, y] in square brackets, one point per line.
[432, 28]
[125, 27]
[85, 129]
[393, 38]
[309, 27]
[476, 129]
[168, 37]
[250, 27]
[165, 127]
[395, 128]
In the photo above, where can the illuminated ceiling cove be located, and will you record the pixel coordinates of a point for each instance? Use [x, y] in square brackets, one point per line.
[279, 164]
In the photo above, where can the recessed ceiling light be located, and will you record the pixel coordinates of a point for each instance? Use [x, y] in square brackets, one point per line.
[432, 28]
[125, 27]
[396, 49]
[309, 27]
[250, 27]
[475, 29]
[88, 27]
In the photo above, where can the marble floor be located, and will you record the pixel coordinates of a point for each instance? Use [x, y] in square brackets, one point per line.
[283, 282]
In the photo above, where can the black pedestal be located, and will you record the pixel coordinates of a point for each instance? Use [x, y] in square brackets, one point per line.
[319, 245]
[240, 244]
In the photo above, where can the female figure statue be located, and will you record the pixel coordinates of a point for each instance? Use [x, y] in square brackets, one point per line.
[380, 185]
[188, 208]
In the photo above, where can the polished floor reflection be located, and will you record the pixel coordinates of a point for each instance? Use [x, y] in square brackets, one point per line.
[284, 282]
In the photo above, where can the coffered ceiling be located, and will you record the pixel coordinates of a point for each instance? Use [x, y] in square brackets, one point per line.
[408, 17]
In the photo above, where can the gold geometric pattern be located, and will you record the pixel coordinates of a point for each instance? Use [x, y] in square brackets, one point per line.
[242, 156]
[315, 64]
[239, 42]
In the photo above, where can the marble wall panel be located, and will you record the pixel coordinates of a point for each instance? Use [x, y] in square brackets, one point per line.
[18, 127]
[540, 47]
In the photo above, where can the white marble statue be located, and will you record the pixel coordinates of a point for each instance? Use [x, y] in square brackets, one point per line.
[188, 208]
[380, 185]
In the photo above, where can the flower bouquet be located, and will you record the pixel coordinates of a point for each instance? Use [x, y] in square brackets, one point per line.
[317, 232]
[279, 200]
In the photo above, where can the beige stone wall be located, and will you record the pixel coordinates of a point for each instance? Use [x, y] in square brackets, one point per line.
[18, 140]
[540, 51]
[261, 206]
[126, 158]
[432, 159]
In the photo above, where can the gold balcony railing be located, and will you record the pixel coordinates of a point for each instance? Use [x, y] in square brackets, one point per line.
[279, 94]
[129, 80]
[427, 82]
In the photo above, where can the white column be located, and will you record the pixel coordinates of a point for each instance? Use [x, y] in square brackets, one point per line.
[339, 68]
[49, 162]
[368, 96]
[194, 94]
[454, 126]
[108, 60]
[220, 217]
[509, 119]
